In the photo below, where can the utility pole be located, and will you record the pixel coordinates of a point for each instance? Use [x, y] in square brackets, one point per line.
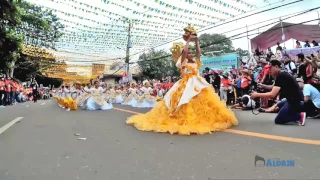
[128, 48]
[248, 38]
[318, 17]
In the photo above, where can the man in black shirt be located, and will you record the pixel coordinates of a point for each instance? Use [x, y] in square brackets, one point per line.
[302, 70]
[279, 48]
[35, 92]
[207, 75]
[290, 110]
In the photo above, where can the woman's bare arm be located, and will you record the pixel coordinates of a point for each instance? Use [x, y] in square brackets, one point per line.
[198, 50]
[185, 51]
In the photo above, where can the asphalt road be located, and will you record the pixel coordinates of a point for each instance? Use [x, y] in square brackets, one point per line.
[43, 146]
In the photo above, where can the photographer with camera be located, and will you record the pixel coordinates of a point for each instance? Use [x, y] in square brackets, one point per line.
[292, 109]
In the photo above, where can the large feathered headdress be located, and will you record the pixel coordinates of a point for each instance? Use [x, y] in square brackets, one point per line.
[133, 83]
[145, 82]
[176, 50]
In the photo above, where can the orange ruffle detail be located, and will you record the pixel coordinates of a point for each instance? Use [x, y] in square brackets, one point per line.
[205, 113]
[68, 103]
[176, 95]
[72, 105]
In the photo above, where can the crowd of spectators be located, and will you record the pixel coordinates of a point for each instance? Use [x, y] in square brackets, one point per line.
[12, 91]
[277, 82]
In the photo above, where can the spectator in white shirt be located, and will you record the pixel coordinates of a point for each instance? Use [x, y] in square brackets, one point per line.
[311, 98]
[289, 65]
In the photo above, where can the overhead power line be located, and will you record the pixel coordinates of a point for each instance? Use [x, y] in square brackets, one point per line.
[266, 10]
[276, 18]
[234, 38]
[228, 38]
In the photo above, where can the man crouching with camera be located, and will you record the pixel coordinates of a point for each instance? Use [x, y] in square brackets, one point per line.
[291, 111]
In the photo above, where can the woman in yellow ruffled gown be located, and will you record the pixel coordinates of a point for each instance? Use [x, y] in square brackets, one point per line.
[191, 106]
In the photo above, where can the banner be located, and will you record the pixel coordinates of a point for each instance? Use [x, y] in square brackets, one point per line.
[305, 51]
[222, 62]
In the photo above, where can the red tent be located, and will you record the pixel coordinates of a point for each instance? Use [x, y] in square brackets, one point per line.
[300, 32]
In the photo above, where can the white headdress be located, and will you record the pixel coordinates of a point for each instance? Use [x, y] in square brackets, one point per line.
[145, 82]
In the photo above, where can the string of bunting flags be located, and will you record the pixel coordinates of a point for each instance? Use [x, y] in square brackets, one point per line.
[124, 19]
[103, 33]
[163, 13]
[222, 3]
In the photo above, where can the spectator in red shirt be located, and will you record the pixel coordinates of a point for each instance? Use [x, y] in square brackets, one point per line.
[309, 72]
[265, 78]
[14, 92]
[225, 83]
[265, 71]
[245, 82]
[2, 91]
[9, 93]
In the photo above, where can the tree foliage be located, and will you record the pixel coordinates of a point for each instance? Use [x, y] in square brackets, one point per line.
[10, 41]
[215, 42]
[242, 52]
[40, 26]
[157, 64]
[24, 23]
[31, 67]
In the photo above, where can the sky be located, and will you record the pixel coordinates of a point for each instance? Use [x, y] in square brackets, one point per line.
[100, 46]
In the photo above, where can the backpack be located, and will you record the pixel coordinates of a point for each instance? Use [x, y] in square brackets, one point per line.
[290, 65]
[239, 83]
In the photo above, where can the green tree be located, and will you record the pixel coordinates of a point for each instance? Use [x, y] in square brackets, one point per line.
[215, 42]
[22, 22]
[40, 27]
[32, 67]
[242, 52]
[10, 41]
[157, 64]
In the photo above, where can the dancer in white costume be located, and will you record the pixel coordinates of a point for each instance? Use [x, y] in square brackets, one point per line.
[107, 95]
[96, 101]
[85, 94]
[160, 91]
[131, 100]
[118, 96]
[146, 100]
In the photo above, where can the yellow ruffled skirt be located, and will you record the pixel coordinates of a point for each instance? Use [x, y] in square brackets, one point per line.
[205, 113]
[72, 105]
[67, 103]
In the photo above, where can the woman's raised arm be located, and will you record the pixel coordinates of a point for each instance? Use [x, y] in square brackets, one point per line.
[198, 50]
[185, 51]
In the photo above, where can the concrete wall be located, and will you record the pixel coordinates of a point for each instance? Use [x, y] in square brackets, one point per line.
[109, 80]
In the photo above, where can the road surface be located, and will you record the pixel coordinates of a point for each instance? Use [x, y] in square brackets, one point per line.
[41, 143]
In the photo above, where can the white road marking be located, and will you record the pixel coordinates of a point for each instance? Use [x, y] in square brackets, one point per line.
[43, 104]
[27, 105]
[7, 126]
